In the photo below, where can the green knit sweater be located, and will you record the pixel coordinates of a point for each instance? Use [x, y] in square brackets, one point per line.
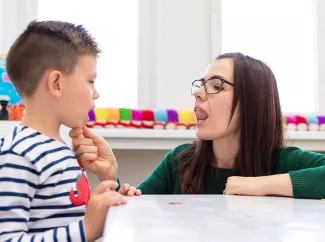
[306, 170]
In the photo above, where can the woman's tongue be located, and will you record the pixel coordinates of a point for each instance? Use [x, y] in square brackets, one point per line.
[201, 115]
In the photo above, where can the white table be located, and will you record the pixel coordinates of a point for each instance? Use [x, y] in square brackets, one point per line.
[216, 218]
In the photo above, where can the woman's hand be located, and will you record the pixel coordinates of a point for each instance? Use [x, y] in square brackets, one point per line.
[94, 153]
[260, 186]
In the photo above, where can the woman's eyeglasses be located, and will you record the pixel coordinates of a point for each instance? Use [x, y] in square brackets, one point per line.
[213, 85]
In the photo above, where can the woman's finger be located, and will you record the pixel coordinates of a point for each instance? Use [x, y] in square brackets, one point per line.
[82, 149]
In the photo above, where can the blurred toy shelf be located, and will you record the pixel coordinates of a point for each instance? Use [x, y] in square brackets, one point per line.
[155, 139]
[145, 139]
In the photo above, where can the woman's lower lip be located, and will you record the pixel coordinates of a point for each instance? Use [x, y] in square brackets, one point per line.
[199, 122]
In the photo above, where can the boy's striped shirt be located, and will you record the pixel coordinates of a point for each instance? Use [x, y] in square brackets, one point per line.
[39, 180]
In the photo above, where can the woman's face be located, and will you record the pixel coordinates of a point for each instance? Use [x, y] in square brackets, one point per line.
[213, 110]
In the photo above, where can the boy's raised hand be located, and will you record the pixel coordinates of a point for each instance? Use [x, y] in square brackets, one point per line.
[103, 197]
[94, 153]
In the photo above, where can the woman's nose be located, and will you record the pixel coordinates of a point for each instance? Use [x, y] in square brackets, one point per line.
[199, 93]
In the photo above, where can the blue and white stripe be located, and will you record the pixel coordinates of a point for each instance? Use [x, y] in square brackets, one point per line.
[36, 176]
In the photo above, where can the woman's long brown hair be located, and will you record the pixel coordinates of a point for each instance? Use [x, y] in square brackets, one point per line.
[261, 132]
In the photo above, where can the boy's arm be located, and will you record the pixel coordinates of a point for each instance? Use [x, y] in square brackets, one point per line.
[18, 183]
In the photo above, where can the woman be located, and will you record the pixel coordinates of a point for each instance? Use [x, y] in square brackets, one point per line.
[240, 148]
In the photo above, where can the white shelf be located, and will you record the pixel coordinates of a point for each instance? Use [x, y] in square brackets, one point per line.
[169, 139]
[308, 140]
[145, 139]
[145, 133]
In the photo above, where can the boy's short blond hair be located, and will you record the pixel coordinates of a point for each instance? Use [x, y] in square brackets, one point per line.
[46, 45]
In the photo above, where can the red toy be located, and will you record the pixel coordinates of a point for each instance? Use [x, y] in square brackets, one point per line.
[302, 124]
[148, 119]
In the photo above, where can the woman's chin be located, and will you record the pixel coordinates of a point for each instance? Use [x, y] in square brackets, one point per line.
[203, 134]
[206, 134]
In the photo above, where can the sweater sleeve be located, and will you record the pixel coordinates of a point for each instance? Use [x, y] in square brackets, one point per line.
[157, 182]
[18, 184]
[118, 184]
[306, 170]
[163, 178]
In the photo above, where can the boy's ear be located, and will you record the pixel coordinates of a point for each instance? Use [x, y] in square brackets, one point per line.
[54, 83]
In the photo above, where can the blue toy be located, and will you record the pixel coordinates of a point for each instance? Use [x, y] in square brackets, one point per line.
[6, 87]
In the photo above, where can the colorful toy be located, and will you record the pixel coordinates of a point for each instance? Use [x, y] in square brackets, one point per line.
[6, 87]
[20, 111]
[92, 119]
[184, 119]
[313, 123]
[192, 124]
[148, 119]
[16, 112]
[136, 119]
[101, 117]
[172, 119]
[284, 122]
[12, 112]
[4, 113]
[321, 120]
[160, 119]
[302, 124]
[113, 116]
[291, 122]
[125, 118]
[169, 119]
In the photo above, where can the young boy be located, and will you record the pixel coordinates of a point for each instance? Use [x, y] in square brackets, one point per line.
[44, 191]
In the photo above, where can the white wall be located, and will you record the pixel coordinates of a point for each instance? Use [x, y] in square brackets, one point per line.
[1, 28]
[168, 65]
[183, 50]
[14, 17]
[175, 47]
[320, 50]
[168, 60]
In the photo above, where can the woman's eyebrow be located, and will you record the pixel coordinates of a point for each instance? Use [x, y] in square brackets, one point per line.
[216, 77]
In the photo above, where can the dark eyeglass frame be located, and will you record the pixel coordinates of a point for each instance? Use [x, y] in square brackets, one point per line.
[203, 82]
